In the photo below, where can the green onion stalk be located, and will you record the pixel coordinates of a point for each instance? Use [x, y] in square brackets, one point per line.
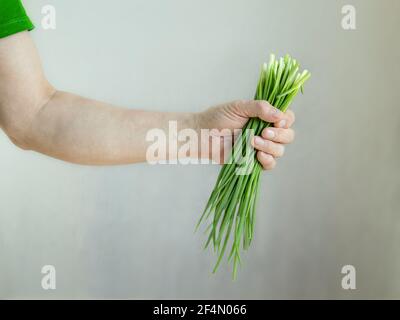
[230, 211]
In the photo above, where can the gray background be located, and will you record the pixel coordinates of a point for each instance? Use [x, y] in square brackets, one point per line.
[127, 231]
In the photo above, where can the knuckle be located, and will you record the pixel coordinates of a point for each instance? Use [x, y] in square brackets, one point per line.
[279, 132]
[280, 151]
[265, 158]
[269, 113]
[241, 104]
[262, 106]
[276, 114]
[275, 149]
[259, 103]
[238, 103]
[262, 103]
[268, 146]
[259, 158]
[275, 111]
[286, 135]
[269, 164]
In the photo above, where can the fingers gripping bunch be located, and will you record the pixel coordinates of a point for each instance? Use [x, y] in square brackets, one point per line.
[230, 211]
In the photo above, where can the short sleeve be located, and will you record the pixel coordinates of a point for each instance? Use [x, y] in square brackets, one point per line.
[13, 18]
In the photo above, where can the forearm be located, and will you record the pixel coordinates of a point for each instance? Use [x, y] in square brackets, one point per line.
[84, 131]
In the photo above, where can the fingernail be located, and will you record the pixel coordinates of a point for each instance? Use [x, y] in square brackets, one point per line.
[275, 112]
[259, 141]
[270, 134]
[282, 123]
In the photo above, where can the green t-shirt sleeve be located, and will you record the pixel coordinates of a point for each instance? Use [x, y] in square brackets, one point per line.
[13, 18]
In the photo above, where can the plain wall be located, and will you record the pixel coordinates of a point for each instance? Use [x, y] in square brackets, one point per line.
[128, 231]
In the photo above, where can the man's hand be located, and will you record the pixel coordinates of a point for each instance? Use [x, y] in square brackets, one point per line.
[235, 115]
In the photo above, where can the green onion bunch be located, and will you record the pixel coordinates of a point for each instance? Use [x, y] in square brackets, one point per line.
[230, 211]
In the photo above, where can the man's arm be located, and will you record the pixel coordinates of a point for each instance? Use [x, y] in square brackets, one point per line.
[62, 125]
[65, 126]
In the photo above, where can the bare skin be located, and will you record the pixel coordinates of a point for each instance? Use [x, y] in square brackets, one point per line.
[36, 116]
